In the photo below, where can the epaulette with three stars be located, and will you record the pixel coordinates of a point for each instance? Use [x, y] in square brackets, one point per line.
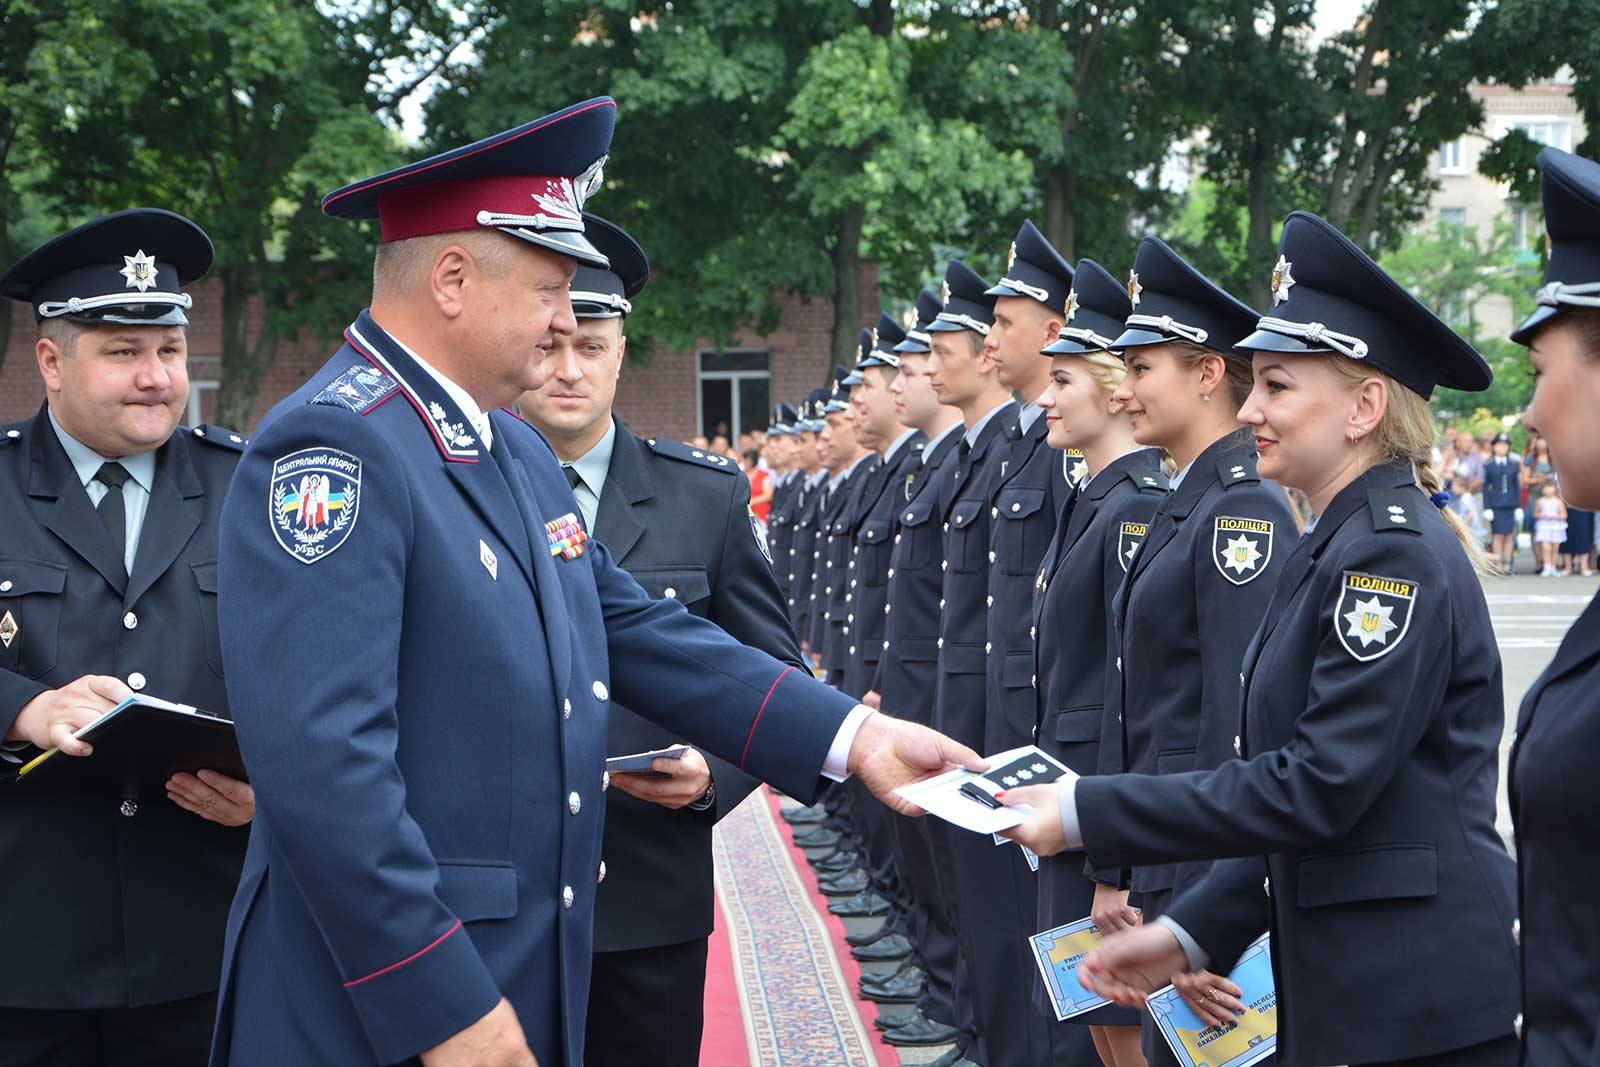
[700, 457]
[1232, 472]
[220, 436]
[1393, 509]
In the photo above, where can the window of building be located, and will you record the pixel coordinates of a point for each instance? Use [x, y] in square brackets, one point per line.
[734, 392]
[1527, 228]
[1452, 216]
[202, 401]
[1450, 158]
[1554, 133]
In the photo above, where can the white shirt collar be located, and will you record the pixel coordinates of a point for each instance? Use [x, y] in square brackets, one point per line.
[463, 400]
[899, 443]
[927, 449]
[1029, 415]
[977, 428]
[1136, 448]
[1177, 479]
[86, 462]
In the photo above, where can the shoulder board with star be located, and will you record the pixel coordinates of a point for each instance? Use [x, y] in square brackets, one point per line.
[220, 436]
[360, 389]
[699, 457]
[1394, 509]
[1240, 471]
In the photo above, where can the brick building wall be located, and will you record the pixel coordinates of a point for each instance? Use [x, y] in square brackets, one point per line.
[658, 398]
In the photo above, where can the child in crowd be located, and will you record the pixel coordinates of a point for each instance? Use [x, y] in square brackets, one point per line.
[1549, 528]
[1464, 504]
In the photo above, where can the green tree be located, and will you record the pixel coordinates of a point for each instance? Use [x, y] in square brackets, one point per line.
[1454, 271]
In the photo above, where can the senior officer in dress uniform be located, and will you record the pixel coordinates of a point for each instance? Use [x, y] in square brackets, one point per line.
[421, 681]
[965, 376]
[1371, 717]
[108, 580]
[1553, 806]
[678, 520]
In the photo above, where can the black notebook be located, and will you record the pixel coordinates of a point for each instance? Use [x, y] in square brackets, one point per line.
[138, 745]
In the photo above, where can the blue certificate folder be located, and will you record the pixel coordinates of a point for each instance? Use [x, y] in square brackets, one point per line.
[1059, 953]
[1251, 1039]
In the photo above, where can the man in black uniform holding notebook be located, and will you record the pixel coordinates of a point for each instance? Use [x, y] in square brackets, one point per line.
[108, 589]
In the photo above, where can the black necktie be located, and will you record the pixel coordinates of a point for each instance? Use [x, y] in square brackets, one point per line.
[113, 512]
[574, 479]
[963, 449]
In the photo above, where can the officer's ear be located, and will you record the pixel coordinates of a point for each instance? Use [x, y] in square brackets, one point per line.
[622, 348]
[448, 280]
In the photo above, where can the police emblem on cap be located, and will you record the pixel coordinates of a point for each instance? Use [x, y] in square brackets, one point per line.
[1073, 468]
[1134, 288]
[1072, 303]
[313, 501]
[944, 293]
[1011, 256]
[1282, 281]
[1373, 613]
[140, 270]
[1241, 548]
[1129, 538]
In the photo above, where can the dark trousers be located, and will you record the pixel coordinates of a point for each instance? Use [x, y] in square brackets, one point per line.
[174, 1034]
[1501, 1052]
[647, 1005]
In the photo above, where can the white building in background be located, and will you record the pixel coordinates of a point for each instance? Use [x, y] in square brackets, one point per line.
[1547, 114]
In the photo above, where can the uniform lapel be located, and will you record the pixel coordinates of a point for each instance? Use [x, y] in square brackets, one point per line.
[616, 524]
[72, 518]
[1022, 451]
[170, 520]
[547, 586]
[1579, 649]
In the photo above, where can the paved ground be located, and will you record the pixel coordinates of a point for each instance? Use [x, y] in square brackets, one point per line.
[1530, 614]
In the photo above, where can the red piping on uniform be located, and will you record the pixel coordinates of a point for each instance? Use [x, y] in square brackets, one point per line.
[465, 155]
[752, 735]
[403, 389]
[409, 959]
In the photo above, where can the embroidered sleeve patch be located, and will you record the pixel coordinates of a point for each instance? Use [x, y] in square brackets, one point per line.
[1373, 613]
[1129, 538]
[1241, 548]
[313, 500]
[759, 528]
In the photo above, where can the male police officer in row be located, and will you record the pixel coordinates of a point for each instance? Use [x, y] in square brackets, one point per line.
[108, 581]
[678, 520]
[781, 449]
[421, 678]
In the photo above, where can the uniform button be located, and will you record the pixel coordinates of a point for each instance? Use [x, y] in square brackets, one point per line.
[1035, 731]
[886, 608]
[852, 583]
[829, 590]
[600, 691]
[791, 602]
[1266, 886]
[130, 808]
[941, 603]
[989, 601]
[987, 648]
[940, 643]
[136, 681]
[1016, 507]
[671, 593]
[991, 557]
[566, 709]
[1119, 663]
[5, 586]
[1033, 680]
[566, 896]
[852, 650]
[602, 875]
[944, 564]
[1238, 749]
[130, 621]
[1516, 1026]
[1043, 585]
[891, 574]
[605, 781]
[886, 646]
[1516, 932]
[908, 516]
[947, 527]
[897, 539]
[1033, 633]
[849, 618]
[574, 802]
[994, 513]
[13, 434]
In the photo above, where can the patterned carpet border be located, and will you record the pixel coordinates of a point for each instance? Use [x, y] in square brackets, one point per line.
[799, 1008]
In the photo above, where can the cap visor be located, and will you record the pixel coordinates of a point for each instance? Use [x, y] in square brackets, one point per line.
[1523, 335]
[1067, 346]
[167, 315]
[914, 347]
[1001, 289]
[1267, 341]
[940, 326]
[1140, 338]
[563, 242]
[851, 380]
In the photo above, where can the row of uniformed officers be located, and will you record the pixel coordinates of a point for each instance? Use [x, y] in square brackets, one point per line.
[1271, 728]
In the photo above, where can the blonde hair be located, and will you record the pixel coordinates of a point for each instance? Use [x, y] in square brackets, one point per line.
[1407, 432]
[1106, 369]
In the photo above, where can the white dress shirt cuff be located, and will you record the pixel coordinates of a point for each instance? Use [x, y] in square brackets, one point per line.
[1067, 800]
[836, 767]
[1197, 956]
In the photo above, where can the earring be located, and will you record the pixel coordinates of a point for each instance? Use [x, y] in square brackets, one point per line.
[1205, 397]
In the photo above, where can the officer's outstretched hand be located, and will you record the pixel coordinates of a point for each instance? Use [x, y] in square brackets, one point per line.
[223, 800]
[496, 1040]
[888, 753]
[49, 719]
[1128, 965]
[673, 784]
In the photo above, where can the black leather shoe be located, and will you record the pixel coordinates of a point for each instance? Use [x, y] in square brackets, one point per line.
[884, 950]
[904, 989]
[894, 1020]
[847, 884]
[861, 906]
[953, 1058]
[867, 937]
[838, 861]
[921, 1032]
[821, 837]
[804, 816]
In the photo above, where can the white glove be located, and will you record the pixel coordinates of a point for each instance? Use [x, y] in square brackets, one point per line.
[1519, 515]
[1488, 514]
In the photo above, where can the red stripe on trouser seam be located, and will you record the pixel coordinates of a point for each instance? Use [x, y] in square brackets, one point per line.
[409, 959]
[752, 736]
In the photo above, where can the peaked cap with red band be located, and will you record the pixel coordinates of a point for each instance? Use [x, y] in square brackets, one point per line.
[530, 182]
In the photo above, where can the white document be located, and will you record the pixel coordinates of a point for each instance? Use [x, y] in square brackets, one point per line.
[942, 795]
